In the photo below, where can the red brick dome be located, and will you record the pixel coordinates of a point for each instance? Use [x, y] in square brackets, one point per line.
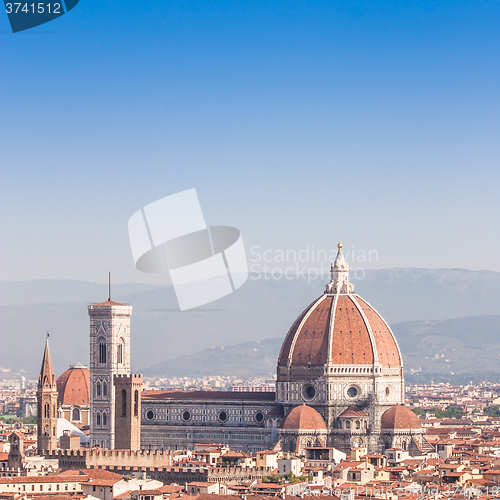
[400, 417]
[73, 386]
[303, 417]
[340, 328]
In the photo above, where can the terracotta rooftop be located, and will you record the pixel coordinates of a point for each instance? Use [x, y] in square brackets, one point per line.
[204, 395]
[100, 474]
[109, 302]
[353, 340]
[353, 411]
[73, 387]
[43, 479]
[399, 417]
[304, 417]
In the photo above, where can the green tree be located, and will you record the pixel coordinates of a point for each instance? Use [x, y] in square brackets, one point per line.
[454, 412]
[492, 411]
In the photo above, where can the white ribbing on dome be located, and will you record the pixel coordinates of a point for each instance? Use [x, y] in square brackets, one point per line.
[369, 330]
[331, 326]
[339, 275]
[299, 329]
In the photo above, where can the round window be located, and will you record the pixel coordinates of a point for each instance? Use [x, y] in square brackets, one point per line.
[223, 416]
[308, 392]
[259, 417]
[387, 392]
[352, 392]
[186, 416]
[150, 414]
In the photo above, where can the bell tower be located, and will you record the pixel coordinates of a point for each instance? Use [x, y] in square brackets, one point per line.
[109, 356]
[46, 396]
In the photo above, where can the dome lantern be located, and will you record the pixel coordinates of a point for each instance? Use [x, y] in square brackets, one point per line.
[339, 272]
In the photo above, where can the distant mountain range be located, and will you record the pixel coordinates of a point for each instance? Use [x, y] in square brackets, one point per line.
[431, 349]
[261, 309]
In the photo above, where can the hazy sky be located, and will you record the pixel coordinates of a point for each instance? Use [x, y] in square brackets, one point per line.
[298, 122]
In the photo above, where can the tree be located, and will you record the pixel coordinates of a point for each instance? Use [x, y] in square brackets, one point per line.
[454, 412]
[492, 411]
[419, 412]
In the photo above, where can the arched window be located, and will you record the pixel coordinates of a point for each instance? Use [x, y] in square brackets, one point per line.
[98, 420]
[98, 388]
[75, 414]
[124, 402]
[104, 389]
[136, 403]
[119, 353]
[102, 352]
[347, 424]
[404, 445]
[54, 411]
[358, 425]
[104, 419]
[46, 411]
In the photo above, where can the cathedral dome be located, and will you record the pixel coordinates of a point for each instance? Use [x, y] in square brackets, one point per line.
[400, 417]
[73, 386]
[340, 328]
[303, 417]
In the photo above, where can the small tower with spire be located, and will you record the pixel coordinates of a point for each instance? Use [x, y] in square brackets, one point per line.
[339, 275]
[46, 396]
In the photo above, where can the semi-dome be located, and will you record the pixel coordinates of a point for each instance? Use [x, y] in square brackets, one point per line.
[303, 417]
[400, 417]
[73, 386]
[340, 328]
[353, 411]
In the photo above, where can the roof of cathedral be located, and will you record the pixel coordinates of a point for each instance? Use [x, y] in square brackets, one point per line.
[353, 411]
[303, 417]
[47, 376]
[400, 417]
[73, 386]
[340, 328]
[212, 395]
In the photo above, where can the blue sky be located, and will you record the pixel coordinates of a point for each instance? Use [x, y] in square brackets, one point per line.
[297, 122]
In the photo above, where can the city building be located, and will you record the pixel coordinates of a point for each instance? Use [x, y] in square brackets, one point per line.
[339, 385]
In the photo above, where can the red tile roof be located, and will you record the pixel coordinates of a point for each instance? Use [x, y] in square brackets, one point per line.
[203, 395]
[109, 302]
[100, 474]
[304, 417]
[399, 417]
[353, 411]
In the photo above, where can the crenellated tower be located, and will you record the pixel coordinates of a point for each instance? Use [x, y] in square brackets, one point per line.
[46, 397]
[128, 412]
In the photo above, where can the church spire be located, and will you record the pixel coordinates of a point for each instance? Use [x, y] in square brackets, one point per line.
[339, 272]
[46, 396]
[47, 376]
